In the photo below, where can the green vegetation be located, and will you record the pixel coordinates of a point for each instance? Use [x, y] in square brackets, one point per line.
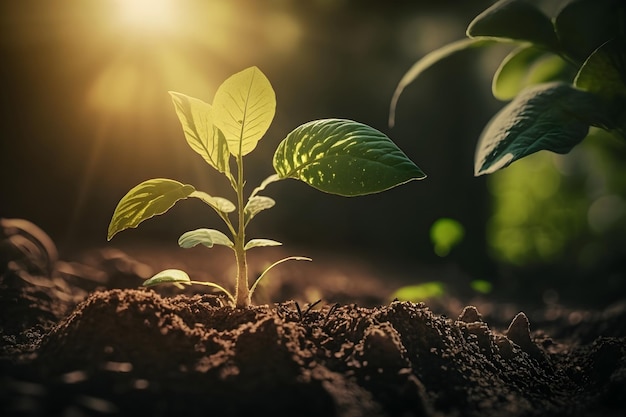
[565, 74]
[335, 156]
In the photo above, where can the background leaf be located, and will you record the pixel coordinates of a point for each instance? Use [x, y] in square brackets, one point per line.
[207, 140]
[206, 237]
[527, 66]
[428, 61]
[553, 117]
[148, 199]
[517, 20]
[584, 25]
[343, 157]
[244, 107]
[604, 72]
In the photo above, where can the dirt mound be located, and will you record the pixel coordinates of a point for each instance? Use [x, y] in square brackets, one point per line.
[73, 347]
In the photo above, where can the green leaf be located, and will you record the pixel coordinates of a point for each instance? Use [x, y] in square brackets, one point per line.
[218, 203]
[524, 67]
[146, 200]
[428, 61]
[552, 116]
[206, 237]
[604, 72]
[168, 276]
[343, 157]
[517, 20]
[257, 243]
[207, 140]
[255, 205]
[584, 25]
[445, 234]
[267, 181]
[243, 108]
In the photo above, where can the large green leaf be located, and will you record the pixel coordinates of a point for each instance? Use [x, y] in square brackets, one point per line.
[243, 108]
[526, 66]
[206, 139]
[206, 237]
[428, 61]
[146, 200]
[517, 20]
[584, 25]
[343, 157]
[552, 116]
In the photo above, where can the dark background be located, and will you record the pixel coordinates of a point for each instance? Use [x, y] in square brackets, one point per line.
[86, 116]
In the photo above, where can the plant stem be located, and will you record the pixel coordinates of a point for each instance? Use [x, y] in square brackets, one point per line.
[242, 292]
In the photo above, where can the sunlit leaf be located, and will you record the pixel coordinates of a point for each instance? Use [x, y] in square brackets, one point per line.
[255, 205]
[584, 25]
[267, 181]
[526, 66]
[146, 200]
[604, 71]
[243, 108]
[428, 61]
[207, 140]
[170, 276]
[257, 243]
[420, 292]
[552, 116]
[218, 203]
[518, 20]
[343, 157]
[206, 237]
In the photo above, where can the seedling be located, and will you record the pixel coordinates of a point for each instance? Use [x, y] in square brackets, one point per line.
[335, 156]
[566, 73]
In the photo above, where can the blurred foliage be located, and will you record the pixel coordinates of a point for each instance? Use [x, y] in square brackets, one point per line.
[446, 233]
[561, 208]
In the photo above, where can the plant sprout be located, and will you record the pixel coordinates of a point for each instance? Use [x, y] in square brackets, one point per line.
[335, 156]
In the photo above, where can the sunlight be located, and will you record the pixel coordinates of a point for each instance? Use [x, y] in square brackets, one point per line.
[147, 15]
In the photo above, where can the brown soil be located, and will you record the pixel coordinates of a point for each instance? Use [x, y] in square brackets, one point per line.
[79, 339]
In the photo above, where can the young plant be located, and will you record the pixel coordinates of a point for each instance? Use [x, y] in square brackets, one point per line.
[566, 73]
[336, 156]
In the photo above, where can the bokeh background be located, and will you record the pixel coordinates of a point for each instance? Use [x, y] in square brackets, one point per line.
[85, 116]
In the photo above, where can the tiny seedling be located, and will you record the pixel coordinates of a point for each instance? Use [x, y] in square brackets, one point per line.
[335, 156]
[566, 72]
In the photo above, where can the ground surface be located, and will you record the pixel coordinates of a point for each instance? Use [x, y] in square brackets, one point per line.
[79, 337]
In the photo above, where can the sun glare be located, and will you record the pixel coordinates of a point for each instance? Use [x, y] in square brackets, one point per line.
[147, 15]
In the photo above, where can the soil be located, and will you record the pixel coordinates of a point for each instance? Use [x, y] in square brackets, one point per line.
[80, 337]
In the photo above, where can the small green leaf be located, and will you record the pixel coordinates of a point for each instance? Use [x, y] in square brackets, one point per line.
[243, 108]
[524, 67]
[343, 157]
[267, 181]
[604, 72]
[206, 237]
[146, 200]
[584, 25]
[255, 205]
[168, 276]
[218, 203]
[553, 117]
[517, 20]
[428, 61]
[207, 140]
[257, 243]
